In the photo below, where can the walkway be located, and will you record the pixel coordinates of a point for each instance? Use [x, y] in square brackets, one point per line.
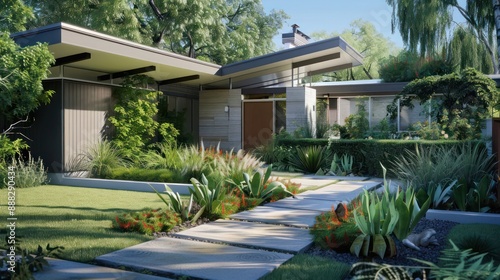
[248, 245]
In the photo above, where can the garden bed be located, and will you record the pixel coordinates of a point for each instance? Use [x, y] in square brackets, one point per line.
[141, 186]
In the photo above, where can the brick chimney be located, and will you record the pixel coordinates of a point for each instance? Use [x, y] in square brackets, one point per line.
[294, 39]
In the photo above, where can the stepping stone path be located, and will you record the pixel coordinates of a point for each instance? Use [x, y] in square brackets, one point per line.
[248, 245]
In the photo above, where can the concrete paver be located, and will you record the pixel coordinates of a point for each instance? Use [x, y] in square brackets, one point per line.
[64, 270]
[341, 191]
[305, 204]
[274, 237]
[196, 259]
[280, 216]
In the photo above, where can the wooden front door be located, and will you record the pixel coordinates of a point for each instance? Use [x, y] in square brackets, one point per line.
[258, 123]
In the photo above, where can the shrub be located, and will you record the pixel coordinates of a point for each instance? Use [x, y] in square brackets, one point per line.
[357, 124]
[140, 174]
[29, 173]
[147, 222]
[368, 154]
[309, 159]
[98, 160]
[335, 231]
[162, 156]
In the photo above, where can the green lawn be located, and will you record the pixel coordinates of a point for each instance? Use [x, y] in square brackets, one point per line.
[77, 218]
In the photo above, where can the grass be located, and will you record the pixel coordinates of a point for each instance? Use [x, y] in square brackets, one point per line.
[77, 218]
[309, 267]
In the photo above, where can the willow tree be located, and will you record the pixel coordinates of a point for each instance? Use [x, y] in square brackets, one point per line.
[423, 24]
[464, 50]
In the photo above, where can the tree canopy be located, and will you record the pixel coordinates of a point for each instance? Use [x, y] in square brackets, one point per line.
[21, 69]
[363, 37]
[220, 31]
[423, 24]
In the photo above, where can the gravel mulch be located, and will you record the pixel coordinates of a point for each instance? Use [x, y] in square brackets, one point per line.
[430, 253]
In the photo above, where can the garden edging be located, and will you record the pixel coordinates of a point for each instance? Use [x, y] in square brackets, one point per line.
[463, 217]
[62, 179]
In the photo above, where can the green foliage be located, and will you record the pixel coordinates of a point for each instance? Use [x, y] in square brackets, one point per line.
[480, 244]
[375, 271]
[161, 155]
[424, 24]
[465, 50]
[179, 205]
[26, 262]
[374, 46]
[465, 101]
[28, 174]
[142, 174]
[9, 149]
[147, 221]
[258, 187]
[209, 195]
[335, 230]
[14, 15]
[99, 159]
[408, 66]
[463, 264]
[385, 129]
[305, 266]
[368, 154]
[426, 167]
[21, 73]
[308, 159]
[377, 219]
[475, 197]
[114, 17]
[341, 166]
[357, 124]
[134, 114]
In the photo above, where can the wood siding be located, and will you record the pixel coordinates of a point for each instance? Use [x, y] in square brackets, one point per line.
[86, 108]
[217, 125]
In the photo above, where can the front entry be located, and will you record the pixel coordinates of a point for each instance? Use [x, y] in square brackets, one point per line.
[258, 123]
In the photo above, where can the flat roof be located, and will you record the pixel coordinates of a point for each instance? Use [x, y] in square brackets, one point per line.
[110, 55]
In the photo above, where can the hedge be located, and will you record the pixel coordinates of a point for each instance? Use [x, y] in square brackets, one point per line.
[369, 154]
[139, 174]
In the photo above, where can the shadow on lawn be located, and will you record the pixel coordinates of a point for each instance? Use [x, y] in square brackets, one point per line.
[114, 210]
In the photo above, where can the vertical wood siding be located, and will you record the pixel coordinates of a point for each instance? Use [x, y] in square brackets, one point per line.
[86, 108]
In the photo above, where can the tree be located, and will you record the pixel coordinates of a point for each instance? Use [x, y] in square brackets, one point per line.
[408, 66]
[14, 15]
[113, 17]
[220, 31]
[423, 23]
[464, 50]
[363, 37]
[21, 73]
[465, 99]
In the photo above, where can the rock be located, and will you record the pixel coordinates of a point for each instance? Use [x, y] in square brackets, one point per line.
[424, 239]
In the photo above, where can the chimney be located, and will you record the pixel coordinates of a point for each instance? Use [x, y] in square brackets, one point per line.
[294, 39]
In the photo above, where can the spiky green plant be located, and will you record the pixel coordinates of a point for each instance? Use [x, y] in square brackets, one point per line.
[99, 159]
[377, 220]
[209, 195]
[308, 159]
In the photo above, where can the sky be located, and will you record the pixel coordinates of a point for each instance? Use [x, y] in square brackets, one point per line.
[333, 16]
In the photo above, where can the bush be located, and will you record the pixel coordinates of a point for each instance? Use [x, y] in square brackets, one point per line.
[147, 222]
[29, 173]
[98, 160]
[369, 154]
[140, 174]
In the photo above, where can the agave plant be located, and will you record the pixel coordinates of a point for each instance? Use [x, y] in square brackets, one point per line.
[341, 166]
[257, 187]
[208, 195]
[377, 220]
[179, 205]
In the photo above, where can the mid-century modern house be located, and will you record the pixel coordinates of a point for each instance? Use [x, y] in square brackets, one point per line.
[239, 105]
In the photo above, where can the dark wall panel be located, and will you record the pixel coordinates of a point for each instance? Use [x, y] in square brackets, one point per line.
[46, 130]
